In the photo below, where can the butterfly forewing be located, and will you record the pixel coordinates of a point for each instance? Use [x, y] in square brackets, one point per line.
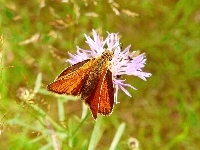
[71, 79]
[106, 97]
[92, 99]
[71, 69]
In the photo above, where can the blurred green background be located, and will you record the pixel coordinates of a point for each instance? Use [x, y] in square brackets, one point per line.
[162, 114]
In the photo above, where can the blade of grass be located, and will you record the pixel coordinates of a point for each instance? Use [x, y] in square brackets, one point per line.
[95, 134]
[43, 114]
[117, 137]
[78, 127]
[38, 83]
[73, 132]
[46, 147]
[61, 112]
[84, 111]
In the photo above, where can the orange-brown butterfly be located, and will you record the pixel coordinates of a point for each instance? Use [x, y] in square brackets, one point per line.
[90, 79]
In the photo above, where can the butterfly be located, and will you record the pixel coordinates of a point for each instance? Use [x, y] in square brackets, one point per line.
[90, 79]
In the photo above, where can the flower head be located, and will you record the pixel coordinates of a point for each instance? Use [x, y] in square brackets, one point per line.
[123, 61]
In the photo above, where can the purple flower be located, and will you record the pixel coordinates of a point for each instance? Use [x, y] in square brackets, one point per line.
[123, 61]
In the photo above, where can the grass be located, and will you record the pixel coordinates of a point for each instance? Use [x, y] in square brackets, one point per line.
[35, 39]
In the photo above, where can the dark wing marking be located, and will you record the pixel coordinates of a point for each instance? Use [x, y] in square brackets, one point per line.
[71, 69]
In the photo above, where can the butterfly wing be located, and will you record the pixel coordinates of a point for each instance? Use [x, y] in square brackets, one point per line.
[106, 97]
[71, 79]
[90, 92]
[71, 69]
[101, 98]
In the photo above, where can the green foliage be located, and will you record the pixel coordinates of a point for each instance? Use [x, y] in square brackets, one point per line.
[35, 40]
